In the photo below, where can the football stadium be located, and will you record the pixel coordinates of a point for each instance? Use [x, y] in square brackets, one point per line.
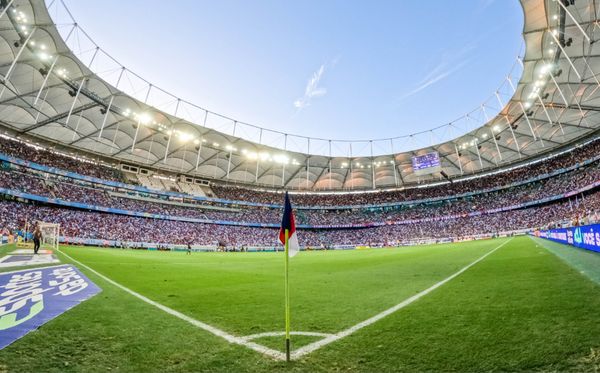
[144, 232]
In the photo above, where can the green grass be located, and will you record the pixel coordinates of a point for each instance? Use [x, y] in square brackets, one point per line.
[522, 308]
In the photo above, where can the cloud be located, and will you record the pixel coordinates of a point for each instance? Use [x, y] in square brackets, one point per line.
[313, 90]
[437, 74]
[450, 63]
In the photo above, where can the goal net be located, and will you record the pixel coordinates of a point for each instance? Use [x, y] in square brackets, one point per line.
[50, 234]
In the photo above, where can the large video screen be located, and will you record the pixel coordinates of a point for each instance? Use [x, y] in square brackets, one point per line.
[426, 164]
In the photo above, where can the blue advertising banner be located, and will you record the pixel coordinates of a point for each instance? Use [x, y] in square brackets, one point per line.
[32, 297]
[585, 237]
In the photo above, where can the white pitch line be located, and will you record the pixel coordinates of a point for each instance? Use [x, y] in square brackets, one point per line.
[344, 333]
[278, 334]
[33, 269]
[209, 328]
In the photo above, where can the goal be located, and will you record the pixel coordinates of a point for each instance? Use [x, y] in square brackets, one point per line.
[50, 235]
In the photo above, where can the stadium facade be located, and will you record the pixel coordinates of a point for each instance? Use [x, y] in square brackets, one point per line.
[112, 170]
[62, 90]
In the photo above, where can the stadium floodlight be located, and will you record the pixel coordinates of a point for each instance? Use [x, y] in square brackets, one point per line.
[281, 158]
[215, 144]
[144, 118]
[184, 136]
[527, 105]
[196, 142]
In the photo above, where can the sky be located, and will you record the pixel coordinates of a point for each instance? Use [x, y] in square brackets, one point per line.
[336, 69]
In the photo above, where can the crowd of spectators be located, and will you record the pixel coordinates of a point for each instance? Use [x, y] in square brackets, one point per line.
[45, 185]
[52, 159]
[415, 193]
[576, 155]
[413, 220]
[96, 225]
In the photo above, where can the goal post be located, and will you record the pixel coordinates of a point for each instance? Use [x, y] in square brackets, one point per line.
[50, 235]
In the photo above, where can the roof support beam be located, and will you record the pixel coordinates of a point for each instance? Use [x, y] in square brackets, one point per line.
[60, 116]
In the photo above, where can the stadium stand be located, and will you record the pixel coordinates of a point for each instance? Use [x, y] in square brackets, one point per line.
[556, 191]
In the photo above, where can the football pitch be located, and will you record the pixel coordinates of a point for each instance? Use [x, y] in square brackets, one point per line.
[517, 304]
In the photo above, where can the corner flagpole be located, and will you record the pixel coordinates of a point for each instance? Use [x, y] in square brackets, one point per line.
[287, 298]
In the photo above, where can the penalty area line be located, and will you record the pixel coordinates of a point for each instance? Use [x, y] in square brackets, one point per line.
[206, 327]
[344, 333]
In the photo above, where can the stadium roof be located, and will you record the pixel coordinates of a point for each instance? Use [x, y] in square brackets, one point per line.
[53, 90]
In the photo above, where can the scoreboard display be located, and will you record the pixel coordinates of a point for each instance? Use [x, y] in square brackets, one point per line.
[426, 164]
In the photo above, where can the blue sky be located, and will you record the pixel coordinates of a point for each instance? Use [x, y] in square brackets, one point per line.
[324, 68]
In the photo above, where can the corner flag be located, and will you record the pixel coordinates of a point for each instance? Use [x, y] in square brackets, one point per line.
[288, 222]
[287, 236]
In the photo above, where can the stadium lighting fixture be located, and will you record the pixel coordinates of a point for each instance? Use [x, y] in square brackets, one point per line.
[555, 32]
[263, 156]
[32, 43]
[546, 68]
[43, 47]
[555, 17]
[344, 164]
[551, 51]
[484, 136]
[144, 118]
[281, 158]
[196, 142]
[527, 105]
[216, 144]
[184, 136]
[44, 56]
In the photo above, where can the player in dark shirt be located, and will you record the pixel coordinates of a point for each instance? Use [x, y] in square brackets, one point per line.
[37, 237]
